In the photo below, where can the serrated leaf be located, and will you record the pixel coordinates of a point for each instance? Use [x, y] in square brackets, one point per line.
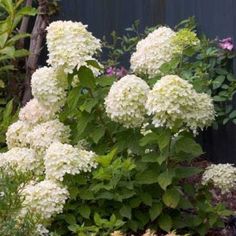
[155, 211]
[165, 178]
[97, 134]
[149, 176]
[125, 211]
[165, 222]
[86, 77]
[84, 211]
[171, 198]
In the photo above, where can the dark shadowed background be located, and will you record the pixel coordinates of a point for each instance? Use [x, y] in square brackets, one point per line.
[216, 18]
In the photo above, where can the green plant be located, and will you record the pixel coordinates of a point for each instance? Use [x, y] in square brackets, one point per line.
[11, 183]
[142, 183]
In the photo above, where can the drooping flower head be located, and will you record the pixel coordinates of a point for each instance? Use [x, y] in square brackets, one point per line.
[49, 87]
[126, 100]
[34, 112]
[174, 103]
[222, 176]
[152, 52]
[44, 134]
[16, 135]
[61, 159]
[70, 45]
[45, 198]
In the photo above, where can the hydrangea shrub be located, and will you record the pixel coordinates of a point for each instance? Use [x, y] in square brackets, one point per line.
[113, 152]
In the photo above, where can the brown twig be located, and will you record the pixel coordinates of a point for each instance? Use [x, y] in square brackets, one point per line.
[37, 37]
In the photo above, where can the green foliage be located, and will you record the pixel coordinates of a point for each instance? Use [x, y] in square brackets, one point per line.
[11, 183]
[141, 181]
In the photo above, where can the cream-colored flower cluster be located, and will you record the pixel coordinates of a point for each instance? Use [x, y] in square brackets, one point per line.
[44, 134]
[38, 141]
[46, 198]
[49, 87]
[61, 159]
[126, 100]
[223, 176]
[21, 159]
[35, 112]
[174, 103]
[152, 52]
[70, 45]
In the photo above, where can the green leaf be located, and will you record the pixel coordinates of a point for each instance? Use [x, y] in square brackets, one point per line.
[165, 178]
[84, 211]
[188, 145]
[148, 139]
[88, 105]
[21, 53]
[9, 51]
[105, 81]
[86, 77]
[27, 11]
[165, 222]
[185, 172]
[218, 81]
[232, 115]
[149, 176]
[94, 64]
[3, 39]
[164, 139]
[155, 211]
[106, 160]
[171, 198]
[70, 219]
[8, 6]
[82, 123]
[125, 211]
[17, 37]
[97, 134]
[86, 194]
[146, 198]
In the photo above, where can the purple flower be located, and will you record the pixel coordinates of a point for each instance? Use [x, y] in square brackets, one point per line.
[226, 44]
[118, 72]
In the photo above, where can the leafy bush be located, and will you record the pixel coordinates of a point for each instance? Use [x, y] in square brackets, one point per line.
[118, 150]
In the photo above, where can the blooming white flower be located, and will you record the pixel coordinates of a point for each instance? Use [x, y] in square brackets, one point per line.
[49, 87]
[222, 176]
[44, 134]
[70, 45]
[149, 232]
[22, 159]
[126, 100]
[16, 135]
[45, 198]
[174, 103]
[34, 112]
[41, 230]
[61, 159]
[153, 51]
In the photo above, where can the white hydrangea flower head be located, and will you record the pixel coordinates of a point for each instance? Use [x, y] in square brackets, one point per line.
[126, 100]
[49, 87]
[149, 232]
[44, 134]
[22, 159]
[34, 112]
[117, 233]
[70, 45]
[61, 159]
[174, 103]
[45, 198]
[152, 52]
[16, 135]
[223, 176]
[41, 230]
[203, 112]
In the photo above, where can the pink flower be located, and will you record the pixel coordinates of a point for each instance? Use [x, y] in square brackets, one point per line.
[118, 72]
[226, 44]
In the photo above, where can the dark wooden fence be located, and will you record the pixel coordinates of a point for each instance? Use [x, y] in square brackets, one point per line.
[216, 18]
